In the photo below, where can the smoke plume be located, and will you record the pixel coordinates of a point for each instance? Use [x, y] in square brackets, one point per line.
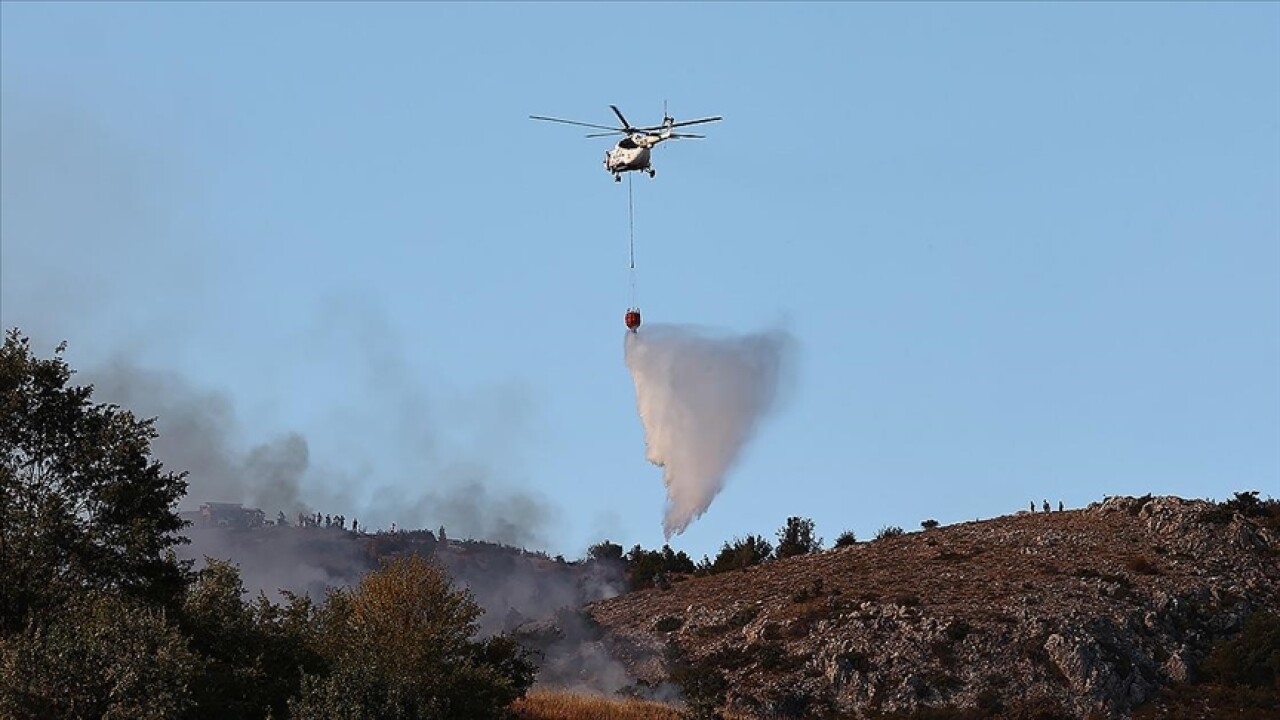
[700, 397]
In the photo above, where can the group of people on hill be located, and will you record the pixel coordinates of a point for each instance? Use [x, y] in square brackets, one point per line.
[1061, 507]
[319, 520]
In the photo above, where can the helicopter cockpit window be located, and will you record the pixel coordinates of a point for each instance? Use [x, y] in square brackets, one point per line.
[627, 143]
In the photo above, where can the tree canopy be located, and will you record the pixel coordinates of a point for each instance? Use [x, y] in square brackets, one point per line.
[98, 619]
[796, 537]
[83, 505]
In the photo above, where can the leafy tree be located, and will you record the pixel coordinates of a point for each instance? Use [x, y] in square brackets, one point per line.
[796, 538]
[741, 553]
[400, 645]
[929, 524]
[605, 552]
[253, 654]
[83, 506]
[846, 538]
[645, 568]
[676, 561]
[105, 656]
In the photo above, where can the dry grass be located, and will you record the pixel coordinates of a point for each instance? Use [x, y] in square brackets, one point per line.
[561, 705]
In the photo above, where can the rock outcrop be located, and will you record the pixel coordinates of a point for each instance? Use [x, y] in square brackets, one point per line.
[1082, 612]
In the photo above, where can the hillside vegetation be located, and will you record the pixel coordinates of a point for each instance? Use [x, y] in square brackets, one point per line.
[1063, 614]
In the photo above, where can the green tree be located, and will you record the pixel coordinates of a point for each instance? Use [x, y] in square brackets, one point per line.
[646, 568]
[605, 552]
[796, 538]
[252, 654]
[104, 657]
[83, 506]
[676, 561]
[741, 553]
[401, 645]
[846, 538]
[929, 524]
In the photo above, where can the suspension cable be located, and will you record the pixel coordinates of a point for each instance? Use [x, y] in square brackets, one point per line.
[631, 231]
[631, 222]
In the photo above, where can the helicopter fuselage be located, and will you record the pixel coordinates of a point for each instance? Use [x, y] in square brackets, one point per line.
[631, 153]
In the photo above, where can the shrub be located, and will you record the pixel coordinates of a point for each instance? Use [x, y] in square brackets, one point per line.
[1136, 506]
[846, 538]
[1142, 566]
[773, 656]
[929, 524]
[702, 685]
[813, 590]
[889, 531]
[744, 616]
[668, 624]
[1251, 658]
[1246, 503]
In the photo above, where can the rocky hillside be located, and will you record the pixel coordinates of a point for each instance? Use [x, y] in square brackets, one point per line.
[1078, 613]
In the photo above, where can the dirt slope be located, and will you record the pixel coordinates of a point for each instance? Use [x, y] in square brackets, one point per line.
[1078, 612]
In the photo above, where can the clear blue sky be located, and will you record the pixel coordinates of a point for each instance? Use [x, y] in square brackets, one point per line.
[1026, 250]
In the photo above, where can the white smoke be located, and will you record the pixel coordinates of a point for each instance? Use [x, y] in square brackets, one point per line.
[700, 397]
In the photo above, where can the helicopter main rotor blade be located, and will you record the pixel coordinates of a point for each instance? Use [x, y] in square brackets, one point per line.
[687, 135]
[574, 122]
[626, 125]
[607, 134]
[696, 122]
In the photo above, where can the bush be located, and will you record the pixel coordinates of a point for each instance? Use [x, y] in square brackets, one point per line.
[701, 683]
[929, 524]
[1264, 512]
[668, 623]
[743, 616]
[846, 538]
[889, 531]
[1251, 658]
[1246, 503]
[1142, 566]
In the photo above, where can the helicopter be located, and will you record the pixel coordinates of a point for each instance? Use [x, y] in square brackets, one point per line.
[632, 151]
